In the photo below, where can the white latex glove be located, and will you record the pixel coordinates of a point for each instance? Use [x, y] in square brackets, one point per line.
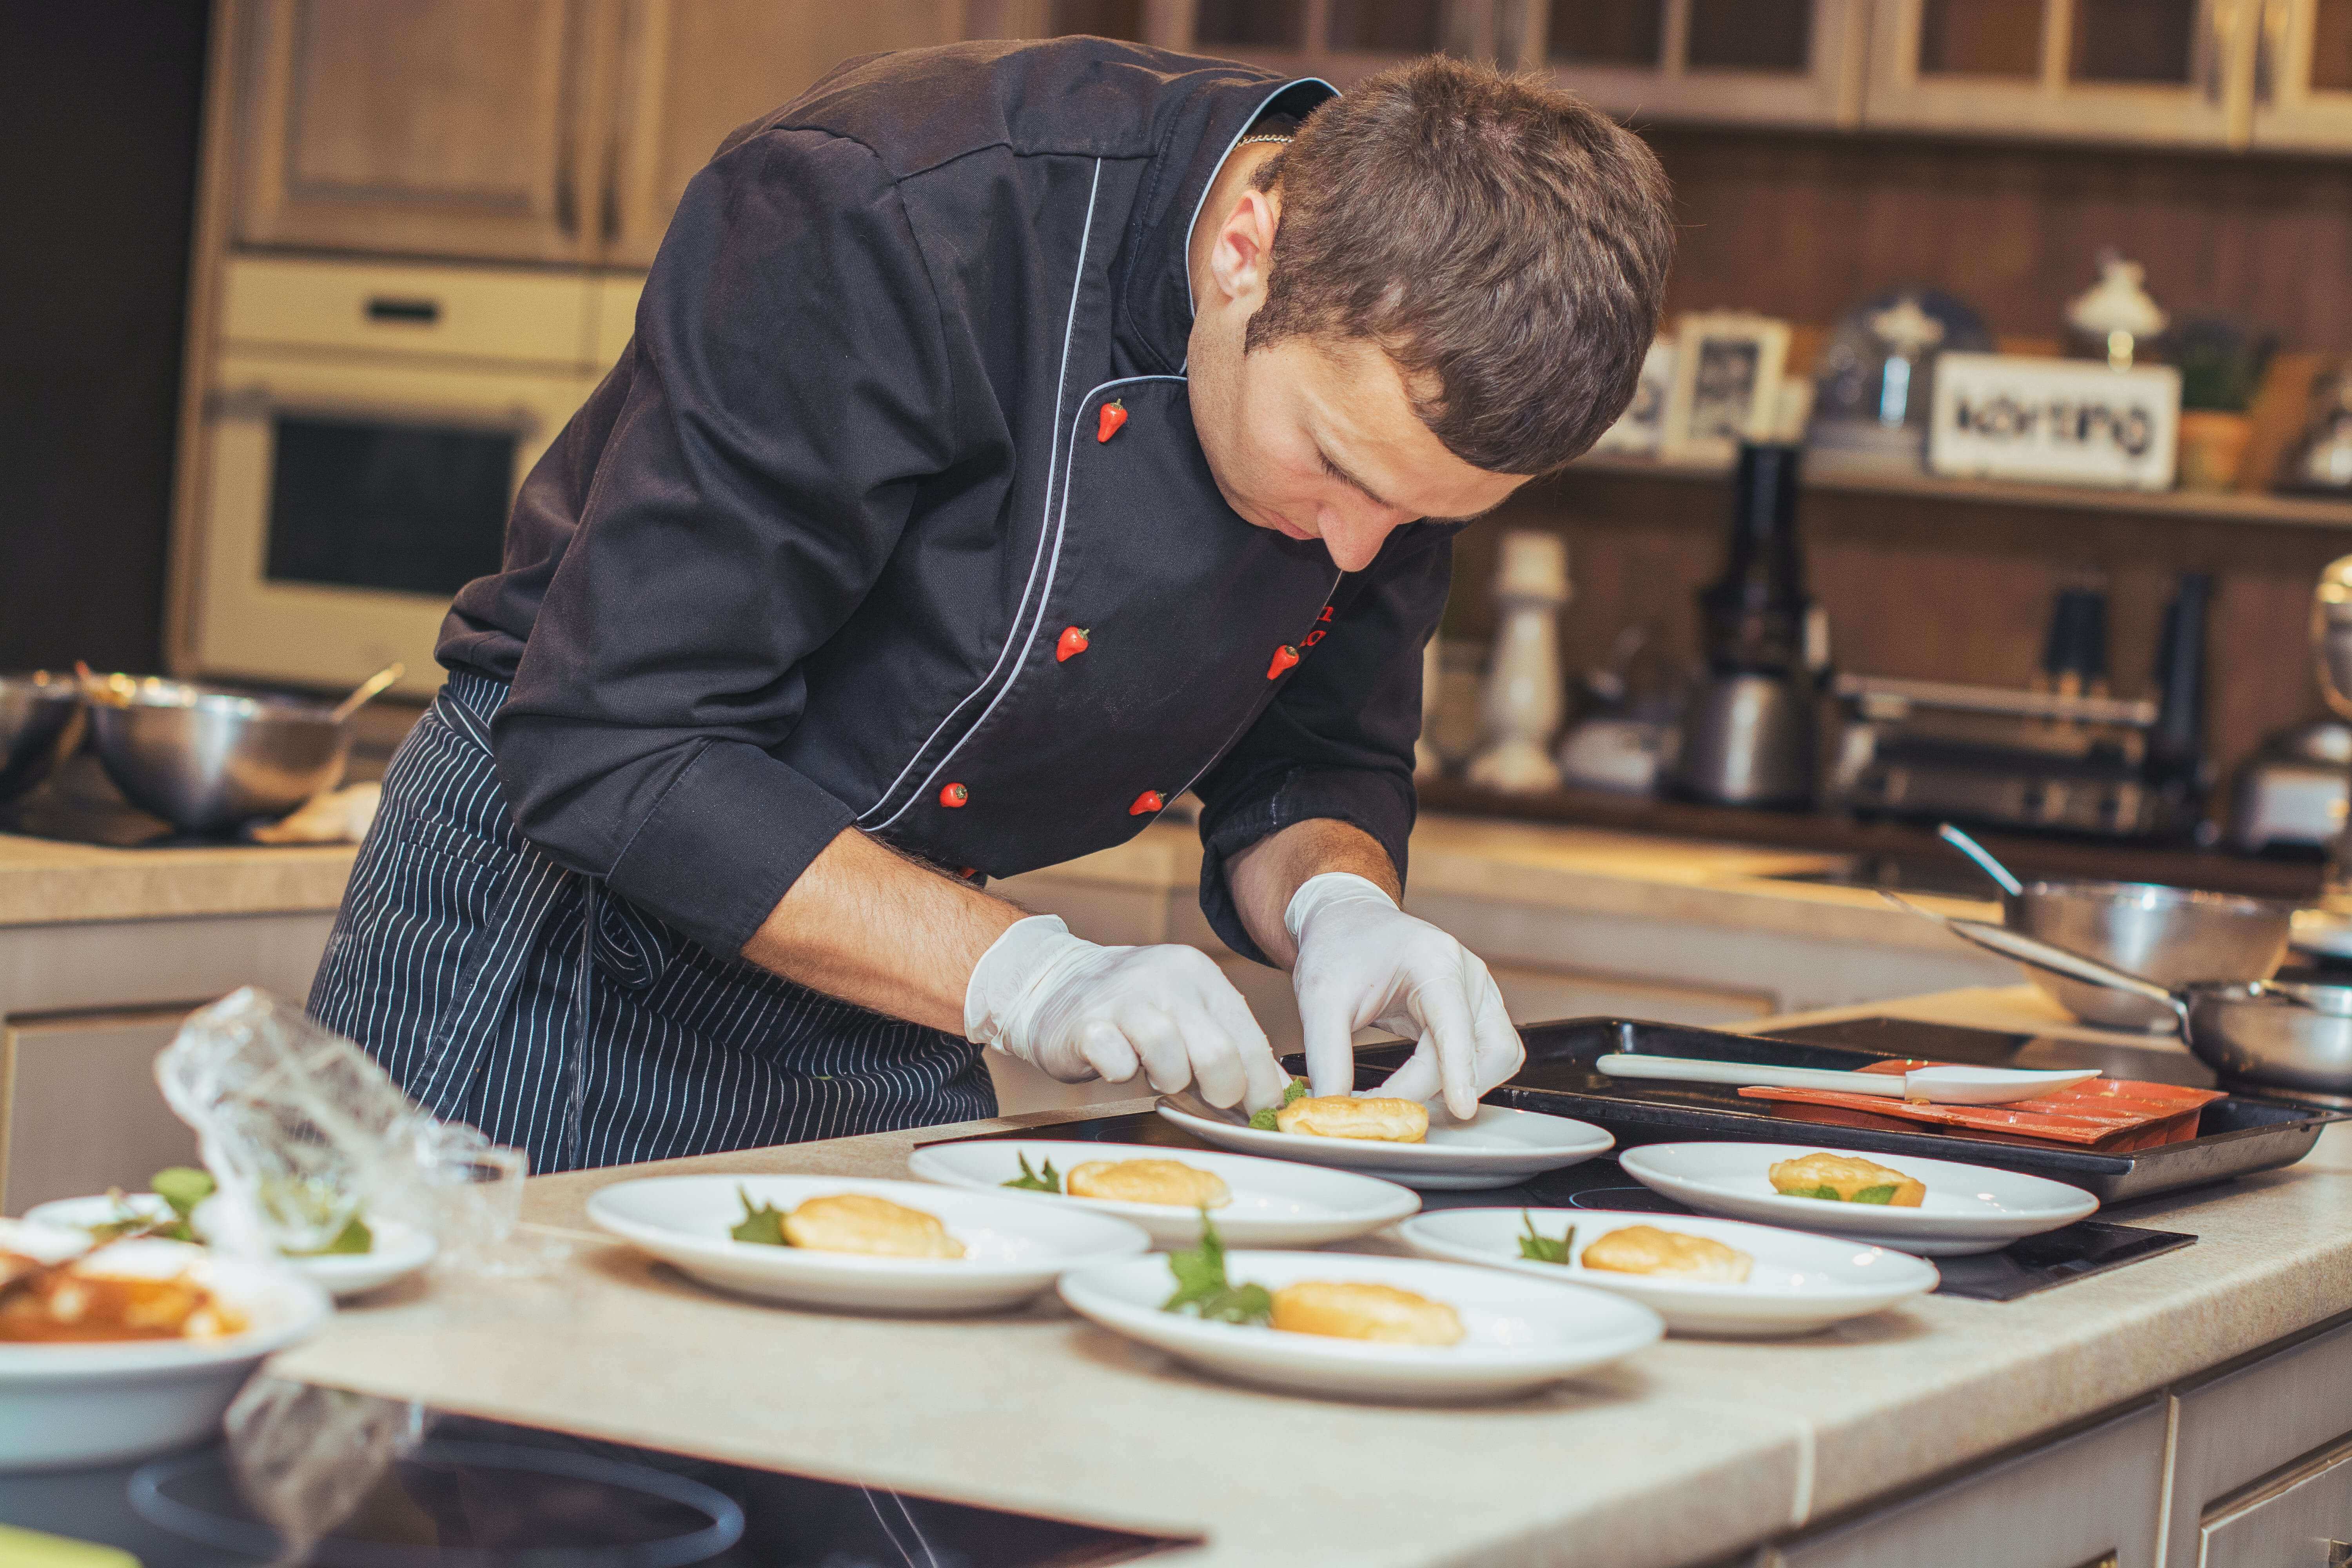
[1362, 960]
[1079, 1010]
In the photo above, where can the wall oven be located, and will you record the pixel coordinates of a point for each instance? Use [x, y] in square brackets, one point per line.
[365, 428]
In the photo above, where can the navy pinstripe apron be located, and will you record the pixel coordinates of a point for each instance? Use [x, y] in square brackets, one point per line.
[499, 989]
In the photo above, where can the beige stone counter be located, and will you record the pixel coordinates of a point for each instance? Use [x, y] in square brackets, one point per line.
[1687, 1450]
[43, 882]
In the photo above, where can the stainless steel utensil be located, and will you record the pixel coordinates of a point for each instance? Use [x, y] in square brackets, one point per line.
[368, 691]
[205, 759]
[1984, 858]
[2169, 936]
[2270, 1038]
[38, 714]
[1945, 1084]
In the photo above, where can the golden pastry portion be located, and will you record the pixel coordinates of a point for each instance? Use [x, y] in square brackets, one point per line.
[1356, 1311]
[1148, 1181]
[57, 1304]
[1846, 1179]
[858, 1222]
[1345, 1116]
[1646, 1249]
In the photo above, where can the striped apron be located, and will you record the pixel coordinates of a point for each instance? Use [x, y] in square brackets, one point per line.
[499, 989]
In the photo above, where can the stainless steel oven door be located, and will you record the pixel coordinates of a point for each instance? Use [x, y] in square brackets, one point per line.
[346, 498]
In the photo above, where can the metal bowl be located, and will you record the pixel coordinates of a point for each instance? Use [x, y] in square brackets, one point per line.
[37, 709]
[205, 759]
[2172, 936]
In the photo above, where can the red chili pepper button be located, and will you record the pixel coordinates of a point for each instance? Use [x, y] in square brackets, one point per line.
[954, 794]
[1073, 643]
[1146, 803]
[1113, 416]
[1284, 658]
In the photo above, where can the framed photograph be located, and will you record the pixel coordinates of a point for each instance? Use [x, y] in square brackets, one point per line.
[1638, 428]
[1727, 385]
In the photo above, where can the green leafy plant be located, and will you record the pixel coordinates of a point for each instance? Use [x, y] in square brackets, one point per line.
[1540, 1249]
[1295, 1089]
[1204, 1291]
[1030, 1181]
[762, 1224]
[2220, 367]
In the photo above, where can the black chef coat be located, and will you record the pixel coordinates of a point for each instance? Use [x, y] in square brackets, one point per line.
[807, 556]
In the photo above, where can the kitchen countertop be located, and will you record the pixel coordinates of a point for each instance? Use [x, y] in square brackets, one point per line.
[45, 882]
[1689, 1449]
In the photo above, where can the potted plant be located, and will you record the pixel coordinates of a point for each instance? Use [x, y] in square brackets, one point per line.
[2220, 371]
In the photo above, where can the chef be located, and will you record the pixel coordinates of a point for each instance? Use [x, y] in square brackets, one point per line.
[1013, 439]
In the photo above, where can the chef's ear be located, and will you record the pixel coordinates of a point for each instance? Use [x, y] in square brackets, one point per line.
[1244, 253]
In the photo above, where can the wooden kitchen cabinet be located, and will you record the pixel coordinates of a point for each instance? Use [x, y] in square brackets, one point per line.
[80, 1111]
[1784, 62]
[2303, 76]
[2260, 1448]
[418, 127]
[2174, 72]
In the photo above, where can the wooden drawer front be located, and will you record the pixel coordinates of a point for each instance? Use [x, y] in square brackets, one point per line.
[2092, 1498]
[2246, 1423]
[471, 312]
[2304, 1521]
[82, 1112]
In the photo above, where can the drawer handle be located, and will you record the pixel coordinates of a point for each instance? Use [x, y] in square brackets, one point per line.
[385, 308]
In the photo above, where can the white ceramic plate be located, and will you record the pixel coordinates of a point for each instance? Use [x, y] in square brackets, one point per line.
[66, 1406]
[1497, 1148]
[1014, 1249]
[1275, 1204]
[1969, 1208]
[1519, 1333]
[1799, 1283]
[400, 1250]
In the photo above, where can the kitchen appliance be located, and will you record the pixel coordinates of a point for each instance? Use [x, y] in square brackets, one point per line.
[2061, 759]
[2291, 793]
[365, 427]
[39, 711]
[205, 759]
[2320, 462]
[1749, 734]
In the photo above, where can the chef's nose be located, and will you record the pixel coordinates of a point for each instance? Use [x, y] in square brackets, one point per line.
[1353, 535]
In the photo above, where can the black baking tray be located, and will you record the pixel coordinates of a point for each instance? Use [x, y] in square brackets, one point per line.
[2236, 1136]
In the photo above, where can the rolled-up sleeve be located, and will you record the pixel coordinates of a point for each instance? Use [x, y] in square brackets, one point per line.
[790, 387]
[1338, 743]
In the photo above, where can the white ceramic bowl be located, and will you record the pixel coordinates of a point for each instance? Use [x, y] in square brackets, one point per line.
[1275, 1203]
[1014, 1248]
[1497, 1148]
[399, 1251]
[1519, 1333]
[1799, 1283]
[1967, 1209]
[63, 1406]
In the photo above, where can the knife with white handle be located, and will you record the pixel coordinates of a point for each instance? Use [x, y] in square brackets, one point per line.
[1937, 1085]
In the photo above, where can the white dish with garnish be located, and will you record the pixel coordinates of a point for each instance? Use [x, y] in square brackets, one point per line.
[1967, 1210]
[1014, 1248]
[69, 1404]
[1497, 1148]
[1797, 1283]
[1518, 1334]
[396, 1251]
[1274, 1203]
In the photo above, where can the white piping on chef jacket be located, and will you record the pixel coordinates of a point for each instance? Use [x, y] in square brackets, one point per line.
[1019, 637]
[1053, 567]
[1191, 307]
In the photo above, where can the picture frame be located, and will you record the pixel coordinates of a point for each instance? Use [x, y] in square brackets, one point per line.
[1727, 386]
[1640, 429]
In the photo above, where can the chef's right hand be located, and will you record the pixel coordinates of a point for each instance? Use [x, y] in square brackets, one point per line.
[1079, 1010]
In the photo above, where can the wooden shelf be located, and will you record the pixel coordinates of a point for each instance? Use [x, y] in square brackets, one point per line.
[2230, 507]
[1835, 833]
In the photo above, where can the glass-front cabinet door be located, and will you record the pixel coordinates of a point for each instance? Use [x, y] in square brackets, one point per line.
[1341, 40]
[1793, 62]
[2165, 71]
[2303, 76]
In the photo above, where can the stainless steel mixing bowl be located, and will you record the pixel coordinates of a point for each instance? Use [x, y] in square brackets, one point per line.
[38, 710]
[2299, 1043]
[205, 759]
[2170, 935]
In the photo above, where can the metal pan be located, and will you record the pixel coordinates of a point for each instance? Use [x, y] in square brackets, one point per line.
[2266, 1035]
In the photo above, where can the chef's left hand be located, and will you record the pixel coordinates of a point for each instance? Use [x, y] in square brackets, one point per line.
[1362, 960]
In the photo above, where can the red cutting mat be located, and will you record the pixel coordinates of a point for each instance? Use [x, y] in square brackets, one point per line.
[2111, 1114]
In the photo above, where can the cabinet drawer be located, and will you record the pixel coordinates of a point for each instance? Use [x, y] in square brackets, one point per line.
[2084, 1501]
[80, 1111]
[2245, 1424]
[472, 312]
[2304, 1521]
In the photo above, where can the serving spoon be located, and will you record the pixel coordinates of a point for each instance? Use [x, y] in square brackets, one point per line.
[1940, 1085]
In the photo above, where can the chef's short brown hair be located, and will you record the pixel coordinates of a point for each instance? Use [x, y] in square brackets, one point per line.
[1506, 244]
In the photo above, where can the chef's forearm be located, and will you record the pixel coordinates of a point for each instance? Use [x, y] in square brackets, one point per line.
[1264, 876]
[869, 926]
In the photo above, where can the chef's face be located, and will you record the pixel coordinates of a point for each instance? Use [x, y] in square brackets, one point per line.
[1312, 438]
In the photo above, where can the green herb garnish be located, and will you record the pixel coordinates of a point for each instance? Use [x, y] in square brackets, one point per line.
[1263, 1119]
[1882, 1194]
[1030, 1181]
[182, 1188]
[355, 1236]
[1829, 1192]
[763, 1224]
[1204, 1291]
[1536, 1249]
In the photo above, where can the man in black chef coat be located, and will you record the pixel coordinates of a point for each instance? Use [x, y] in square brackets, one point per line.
[1013, 439]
